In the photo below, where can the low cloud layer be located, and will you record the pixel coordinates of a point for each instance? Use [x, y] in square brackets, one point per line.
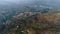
[54, 3]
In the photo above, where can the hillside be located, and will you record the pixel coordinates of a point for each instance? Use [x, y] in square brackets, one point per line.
[32, 23]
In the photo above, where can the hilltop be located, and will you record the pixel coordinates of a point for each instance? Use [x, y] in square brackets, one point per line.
[32, 23]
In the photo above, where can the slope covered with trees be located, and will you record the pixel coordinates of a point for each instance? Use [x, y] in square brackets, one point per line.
[31, 24]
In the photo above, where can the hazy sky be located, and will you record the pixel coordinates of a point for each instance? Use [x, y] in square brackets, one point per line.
[26, 1]
[8, 1]
[48, 2]
[14, 1]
